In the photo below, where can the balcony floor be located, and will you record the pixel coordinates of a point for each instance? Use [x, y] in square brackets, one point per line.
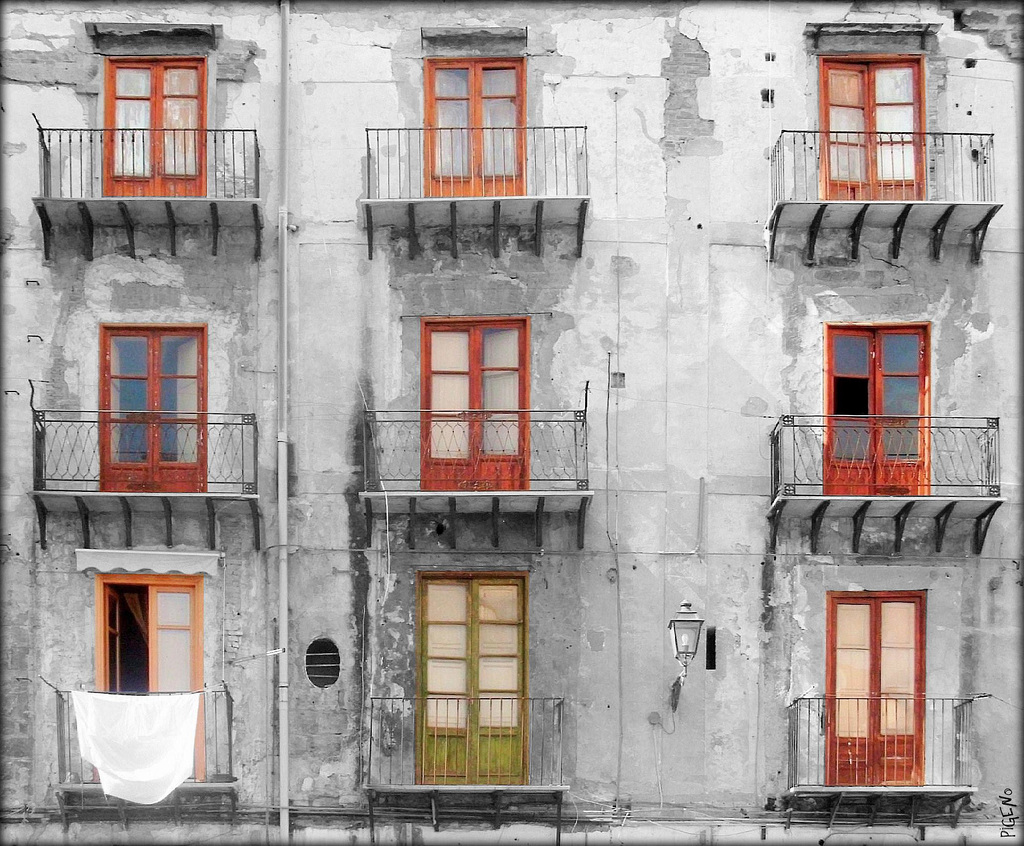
[212, 800]
[849, 805]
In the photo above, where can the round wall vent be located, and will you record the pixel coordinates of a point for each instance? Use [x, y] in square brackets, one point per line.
[323, 662]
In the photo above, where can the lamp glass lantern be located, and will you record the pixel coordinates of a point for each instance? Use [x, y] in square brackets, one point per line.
[685, 627]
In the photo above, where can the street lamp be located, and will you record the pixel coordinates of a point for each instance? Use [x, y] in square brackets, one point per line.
[685, 626]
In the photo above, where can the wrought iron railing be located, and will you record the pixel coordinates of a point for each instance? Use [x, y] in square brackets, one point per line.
[874, 741]
[878, 455]
[531, 161]
[500, 740]
[93, 163]
[475, 450]
[68, 453]
[214, 743]
[956, 167]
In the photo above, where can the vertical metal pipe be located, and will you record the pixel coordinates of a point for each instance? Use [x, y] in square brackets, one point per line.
[282, 436]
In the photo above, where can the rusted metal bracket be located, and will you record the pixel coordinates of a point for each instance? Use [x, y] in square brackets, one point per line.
[773, 228]
[41, 517]
[538, 523]
[257, 230]
[172, 227]
[939, 232]
[453, 225]
[254, 509]
[371, 797]
[369, 232]
[835, 809]
[897, 230]
[581, 521]
[581, 222]
[812, 231]
[981, 524]
[414, 240]
[411, 534]
[816, 518]
[495, 521]
[368, 514]
[126, 513]
[211, 523]
[496, 228]
[129, 227]
[899, 524]
[87, 244]
[538, 234]
[858, 523]
[47, 225]
[215, 225]
[978, 234]
[433, 811]
[774, 518]
[941, 519]
[451, 522]
[166, 503]
[83, 514]
[855, 230]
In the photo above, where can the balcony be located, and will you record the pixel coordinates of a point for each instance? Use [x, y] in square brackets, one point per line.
[459, 758]
[878, 759]
[885, 467]
[447, 176]
[110, 177]
[525, 461]
[209, 795]
[143, 464]
[930, 181]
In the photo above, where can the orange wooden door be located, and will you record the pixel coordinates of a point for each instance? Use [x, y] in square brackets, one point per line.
[873, 127]
[475, 137]
[475, 429]
[874, 714]
[153, 404]
[154, 142]
[877, 438]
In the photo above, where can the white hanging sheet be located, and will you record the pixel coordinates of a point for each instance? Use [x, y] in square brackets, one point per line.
[142, 746]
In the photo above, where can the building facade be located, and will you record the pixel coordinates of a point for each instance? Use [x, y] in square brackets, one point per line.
[392, 374]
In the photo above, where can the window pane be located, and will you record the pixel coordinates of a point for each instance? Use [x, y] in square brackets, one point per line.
[901, 442]
[852, 625]
[446, 602]
[452, 113]
[128, 394]
[132, 114]
[497, 81]
[899, 624]
[173, 659]
[449, 439]
[180, 158]
[446, 641]
[449, 351]
[500, 113]
[180, 395]
[852, 718]
[900, 353]
[449, 392]
[850, 355]
[181, 81]
[852, 676]
[499, 673]
[446, 676]
[900, 395]
[131, 151]
[173, 609]
[501, 435]
[896, 162]
[845, 120]
[499, 640]
[897, 671]
[132, 82]
[847, 163]
[501, 389]
[894, 119]
[894, 85]
[451, 82]
[499, 712]
[845, 87]
[850, 441]
[178, 355]
[501, 347]
[128, 443]
[897, 716]
[447, 712]
[499, 603]
[178, 442]
[451, 153]
[128, 356]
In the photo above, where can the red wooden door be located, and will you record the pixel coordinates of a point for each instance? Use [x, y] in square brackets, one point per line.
[154, 142]
[876, 437]
[475, 429]
[153, 403]
[873, 126]
[874, 704]
[475, 144]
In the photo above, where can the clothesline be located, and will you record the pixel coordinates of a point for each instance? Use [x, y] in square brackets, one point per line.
[223, 689]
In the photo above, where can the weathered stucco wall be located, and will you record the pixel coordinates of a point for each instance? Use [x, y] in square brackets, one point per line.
[673, 289]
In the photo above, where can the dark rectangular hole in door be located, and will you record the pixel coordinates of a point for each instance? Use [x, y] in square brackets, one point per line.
[849, 396]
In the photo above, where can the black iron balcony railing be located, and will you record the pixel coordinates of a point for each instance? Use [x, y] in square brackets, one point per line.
[218, 164]
[814, 166]
[475, 450]
[213, 756]
[465, 740]
[876, 455]
[879, 741]
[513, 161]
[81, 450]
